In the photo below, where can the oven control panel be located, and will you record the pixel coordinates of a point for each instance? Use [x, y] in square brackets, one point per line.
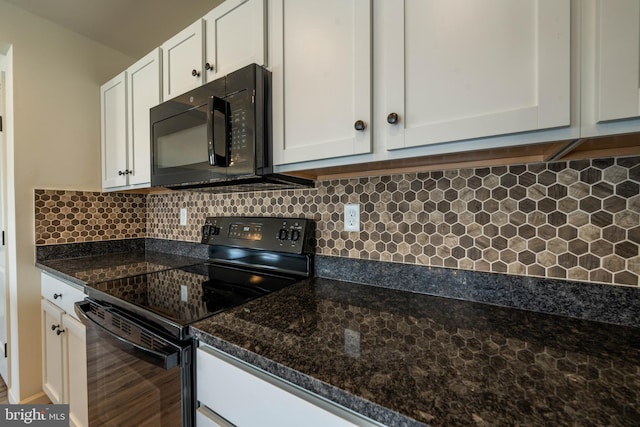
[291, 235]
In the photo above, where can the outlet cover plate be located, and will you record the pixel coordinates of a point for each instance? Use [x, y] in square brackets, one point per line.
[351, 217]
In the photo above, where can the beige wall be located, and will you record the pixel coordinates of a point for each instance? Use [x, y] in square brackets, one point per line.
[56, 76]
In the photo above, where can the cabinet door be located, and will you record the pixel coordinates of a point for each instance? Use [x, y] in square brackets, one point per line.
[610, 67]
[76, 369]
[113, 121]
[144, 93]
[618, 52]
[471, 69]
[235, 37]
[320, 56]
[182, 62]
[53, 368]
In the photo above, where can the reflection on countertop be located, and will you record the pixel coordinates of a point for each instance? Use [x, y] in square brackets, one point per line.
[409, 359]
[94, 269]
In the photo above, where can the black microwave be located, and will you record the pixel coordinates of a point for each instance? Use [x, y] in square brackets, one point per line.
[217, 137]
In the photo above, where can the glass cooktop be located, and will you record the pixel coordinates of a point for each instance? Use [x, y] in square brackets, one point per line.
[187, 294]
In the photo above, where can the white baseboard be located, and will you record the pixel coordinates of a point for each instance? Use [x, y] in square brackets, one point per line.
[38, 398]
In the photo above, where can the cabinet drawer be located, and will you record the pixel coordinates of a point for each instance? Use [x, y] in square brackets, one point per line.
[60, 293]
[246, 396]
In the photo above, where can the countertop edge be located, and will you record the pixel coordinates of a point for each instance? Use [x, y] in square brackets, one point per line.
[334, 394]
[77, 283]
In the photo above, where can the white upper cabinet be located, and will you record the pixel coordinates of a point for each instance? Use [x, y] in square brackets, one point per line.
[182, 61]
[113, 121]
[618, 47]
[143, 85]
[229, 37]
[610, 66]
[320, 58]
[125, 102]
[235, 36]
[441, 76]
[471, 69]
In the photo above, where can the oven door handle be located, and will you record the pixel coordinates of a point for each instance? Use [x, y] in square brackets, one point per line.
[163, 359]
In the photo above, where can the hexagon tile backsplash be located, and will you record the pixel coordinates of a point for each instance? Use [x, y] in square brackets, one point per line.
[576, 220]
[77, 216]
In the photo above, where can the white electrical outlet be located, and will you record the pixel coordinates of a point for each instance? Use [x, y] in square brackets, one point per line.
[184, 296]
[183, 216]
[352, 217]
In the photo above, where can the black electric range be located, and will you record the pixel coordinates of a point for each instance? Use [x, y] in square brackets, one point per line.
[140, 365]
[248, 257]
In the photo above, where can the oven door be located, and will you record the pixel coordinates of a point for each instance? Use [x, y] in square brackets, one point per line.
[181, 151]
[135, 377]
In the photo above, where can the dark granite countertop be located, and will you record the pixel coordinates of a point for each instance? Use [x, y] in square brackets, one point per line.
[405, 358]
[100, 268]
[408, 359]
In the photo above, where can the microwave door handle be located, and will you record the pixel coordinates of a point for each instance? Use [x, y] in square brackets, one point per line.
[218, 114]
[212, 152]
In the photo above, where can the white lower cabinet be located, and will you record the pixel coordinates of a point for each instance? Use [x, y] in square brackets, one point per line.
[233, 393]
[76, 371]
[64, 354]
[53, 349]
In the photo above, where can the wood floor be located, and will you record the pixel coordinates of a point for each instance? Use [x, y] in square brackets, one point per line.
[4, 398]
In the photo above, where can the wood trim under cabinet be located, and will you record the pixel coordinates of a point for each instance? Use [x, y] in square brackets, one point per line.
[469, 159]
[608, 146]
[588, 148]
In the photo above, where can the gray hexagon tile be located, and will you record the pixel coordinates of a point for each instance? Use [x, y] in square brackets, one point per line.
[576, 220]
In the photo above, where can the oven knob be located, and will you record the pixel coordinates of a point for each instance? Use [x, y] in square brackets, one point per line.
[283, 234]
[215, 230]
[295, 235]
